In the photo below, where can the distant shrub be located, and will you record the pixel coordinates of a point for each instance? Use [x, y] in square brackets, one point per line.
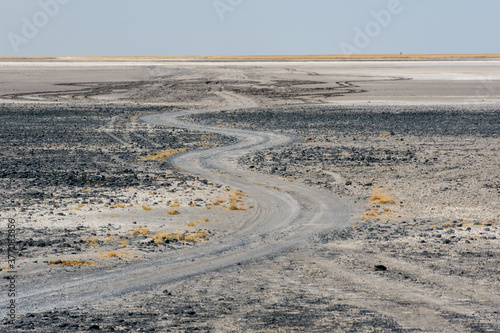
[173, 212]
[145, 207]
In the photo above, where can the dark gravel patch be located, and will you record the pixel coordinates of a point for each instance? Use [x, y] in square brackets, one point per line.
[65, 148]
[311, 120]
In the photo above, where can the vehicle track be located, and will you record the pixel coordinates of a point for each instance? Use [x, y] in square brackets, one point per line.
[285, 215]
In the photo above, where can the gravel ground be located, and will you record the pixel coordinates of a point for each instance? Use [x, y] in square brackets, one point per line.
[422, 255]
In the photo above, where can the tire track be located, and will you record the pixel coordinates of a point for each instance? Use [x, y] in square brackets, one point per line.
[285, 215]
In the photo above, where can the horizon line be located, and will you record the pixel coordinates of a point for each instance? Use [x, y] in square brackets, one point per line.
[273, 57]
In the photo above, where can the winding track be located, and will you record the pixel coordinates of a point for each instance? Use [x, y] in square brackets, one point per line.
[285, 215]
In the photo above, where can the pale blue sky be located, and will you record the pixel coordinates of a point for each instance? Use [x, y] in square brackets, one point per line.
[249, 27]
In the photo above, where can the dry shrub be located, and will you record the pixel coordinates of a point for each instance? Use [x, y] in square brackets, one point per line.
[115, 254]
[162, 155]
[381, 197]
[173, 212]
[92, 241]
[371, 214]
[175, 203]
[146, 207]
[119, 205]
[193, 224]
[163, 237]
[140, 231]
[195, 237]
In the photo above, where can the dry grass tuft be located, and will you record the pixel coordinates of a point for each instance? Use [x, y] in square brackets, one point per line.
[115, 254]
[140, 231]
[175, 203]
[372, 214]
[162, 155]
[193, 237]
[234, 200]
[146, 207]
[173, 212]
[92, 241]
[381, 197]
[119, 205]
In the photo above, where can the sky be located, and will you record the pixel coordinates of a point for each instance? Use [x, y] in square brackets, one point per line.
[246, 27]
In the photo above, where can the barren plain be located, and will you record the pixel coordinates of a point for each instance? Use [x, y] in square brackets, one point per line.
[251, 195]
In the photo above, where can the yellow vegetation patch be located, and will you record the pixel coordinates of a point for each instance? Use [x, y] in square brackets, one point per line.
[162, 155]
[139, 231]
[193, 224]
[217, 202]
[146, 207]
[234, 200]
[175, 203]
[375, 214]
[119, 205]
[173, 212]
[163, 237]
[381, 197]
[72, 263]
[195, 237]
[115, 254]
[372, 214]
[92, 241]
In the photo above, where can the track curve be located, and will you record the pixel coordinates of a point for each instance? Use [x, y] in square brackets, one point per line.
[285, 215]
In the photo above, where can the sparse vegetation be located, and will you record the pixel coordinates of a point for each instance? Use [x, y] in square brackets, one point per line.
[92, 241]
[175, 203]
[116, 254]
[140, 231]
[146, 207]
[119, 205]
[173, 212]
[187, 236]
[162, 155]
[381, 197]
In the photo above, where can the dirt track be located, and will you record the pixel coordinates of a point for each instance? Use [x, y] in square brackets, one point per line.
[265, 273]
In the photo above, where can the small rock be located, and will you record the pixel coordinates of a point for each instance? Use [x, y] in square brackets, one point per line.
[380, 268]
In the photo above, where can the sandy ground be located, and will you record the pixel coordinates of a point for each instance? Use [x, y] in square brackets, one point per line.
[366, 195]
